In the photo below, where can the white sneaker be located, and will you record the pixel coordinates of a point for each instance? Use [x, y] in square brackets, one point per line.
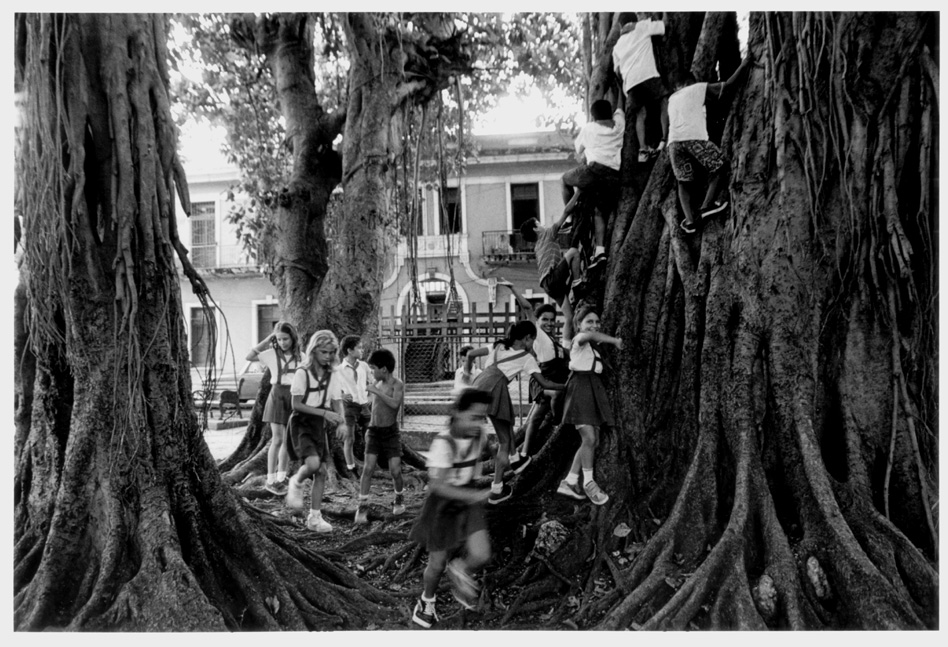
[361, 515]
[595, 493]
[316, 522]
[294, 494]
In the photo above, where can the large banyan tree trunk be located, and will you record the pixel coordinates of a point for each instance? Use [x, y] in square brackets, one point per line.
[780, 410]
[121, 519]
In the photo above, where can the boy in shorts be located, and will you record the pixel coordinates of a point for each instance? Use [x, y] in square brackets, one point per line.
[634, 60]
[381, 438]
[689, 146]
[600, 142]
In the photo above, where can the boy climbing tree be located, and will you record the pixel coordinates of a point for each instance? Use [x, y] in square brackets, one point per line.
[689, 146]
[635, 63]
[600, 141]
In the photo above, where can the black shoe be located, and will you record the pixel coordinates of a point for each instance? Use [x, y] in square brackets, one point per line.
[424, 614]
[715, 207]
[497, 497]
[596, 262]
[520, 464]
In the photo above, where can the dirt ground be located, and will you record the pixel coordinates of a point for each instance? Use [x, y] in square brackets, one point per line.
[381, 554]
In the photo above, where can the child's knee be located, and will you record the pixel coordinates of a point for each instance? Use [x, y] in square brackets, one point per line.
[478, 549]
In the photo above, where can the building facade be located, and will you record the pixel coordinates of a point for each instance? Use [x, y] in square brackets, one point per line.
[469, 235]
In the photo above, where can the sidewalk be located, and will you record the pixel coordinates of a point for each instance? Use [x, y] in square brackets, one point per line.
[416, 430]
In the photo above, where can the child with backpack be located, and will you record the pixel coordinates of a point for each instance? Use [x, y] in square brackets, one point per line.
[317, 409]
[453, 513]
[507, 360]
[280, 353]
[587, 404]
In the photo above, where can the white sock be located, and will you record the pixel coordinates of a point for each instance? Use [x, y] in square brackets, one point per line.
[497, 487]
[572, 479]
[281, 476]
[600, 249]
[315, 513]
[271, 477]
[399, 491]
[351, 467]
[587, 475]
[514, 457]
[363, 497]
[431, 600]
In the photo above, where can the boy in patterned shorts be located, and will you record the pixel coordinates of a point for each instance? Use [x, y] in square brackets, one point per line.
[689, 146]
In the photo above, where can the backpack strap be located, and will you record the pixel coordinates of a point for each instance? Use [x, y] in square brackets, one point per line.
[508, 358]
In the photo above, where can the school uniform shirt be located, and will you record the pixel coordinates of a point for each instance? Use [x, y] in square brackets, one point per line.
[440, 455]
[526, 363]
[544, 347]
[687, 116]
[269, 359]
[633, 56]
[602, 143]
[459, 383]
[315, 397]
[355, 379]
[583, 357]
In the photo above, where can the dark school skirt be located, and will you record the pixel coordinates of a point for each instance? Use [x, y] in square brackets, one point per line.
[587, 402]
[307, 436]
[492, 380]
[445, 524]
[555, 370]
[279, 405]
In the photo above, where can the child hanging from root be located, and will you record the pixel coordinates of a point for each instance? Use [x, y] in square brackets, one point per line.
[508, 359]
[317, 409]
[587, 404]
[382, 437]
[453, 513]
[280, 353]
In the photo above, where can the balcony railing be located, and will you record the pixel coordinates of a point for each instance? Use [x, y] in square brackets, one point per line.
[504, 247]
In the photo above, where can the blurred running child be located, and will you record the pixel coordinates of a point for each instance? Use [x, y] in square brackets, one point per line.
[510, 357]
[587, 404]
[355, 375]
[280, 353]
[382, 438]
[317, 409]
[453, 513]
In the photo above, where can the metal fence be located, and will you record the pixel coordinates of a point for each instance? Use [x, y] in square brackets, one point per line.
[427, 351]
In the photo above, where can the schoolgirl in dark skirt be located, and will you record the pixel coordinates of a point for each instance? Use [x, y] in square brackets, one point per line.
[587, 404]
[508, 359]
[279, 352]
[453, 513]
[317, 410]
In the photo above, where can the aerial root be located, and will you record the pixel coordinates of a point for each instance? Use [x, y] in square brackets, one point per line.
[546, 589]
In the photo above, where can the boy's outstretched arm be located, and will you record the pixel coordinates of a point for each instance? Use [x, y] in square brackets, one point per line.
[722, 89]
[525, 305]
